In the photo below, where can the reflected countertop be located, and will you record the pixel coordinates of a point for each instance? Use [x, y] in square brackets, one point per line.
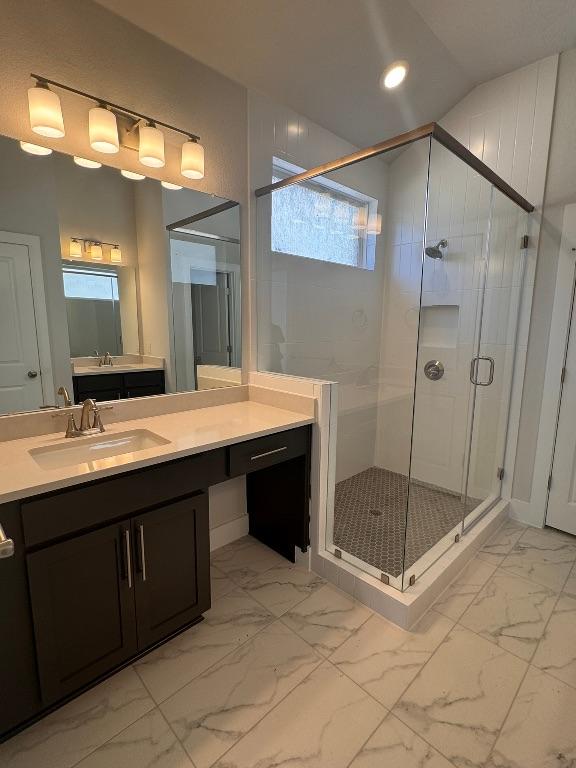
[91, 370]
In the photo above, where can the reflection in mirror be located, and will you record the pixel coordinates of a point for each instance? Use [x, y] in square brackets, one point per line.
[110, 287]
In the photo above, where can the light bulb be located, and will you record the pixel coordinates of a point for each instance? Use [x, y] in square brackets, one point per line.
[192, 160]
[45, 112]
[83, 162]
[103, 130]
[394, 74]
[116, 255]
[151, 147]
[75, 249]
[132, 175]
[96, 251]
[34, 149]
[169, 185]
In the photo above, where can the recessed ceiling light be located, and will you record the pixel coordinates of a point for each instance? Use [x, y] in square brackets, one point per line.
[132, 176]
[394, 74]
[84, 162]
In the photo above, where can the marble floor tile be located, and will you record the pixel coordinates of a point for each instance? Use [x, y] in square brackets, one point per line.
[499, 545]
[460, 699]
[394, 745]
[148, 743]
[543, 557]
[283, 587]
[220, 583]
[511, 612]
[232, 620]
[384, 659]
[217, 709]
[326, 619]
[245, 559]
[322, 723]
[539, 731]
[69, 734]
[570, 585]
[454, 600]
[556, 653]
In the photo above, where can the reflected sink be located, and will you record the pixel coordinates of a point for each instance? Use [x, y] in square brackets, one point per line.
[82, 450]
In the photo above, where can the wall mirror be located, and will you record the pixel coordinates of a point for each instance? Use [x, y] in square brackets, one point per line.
[112, 286]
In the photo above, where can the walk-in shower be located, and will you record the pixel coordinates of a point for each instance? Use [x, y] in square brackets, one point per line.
[399, 277]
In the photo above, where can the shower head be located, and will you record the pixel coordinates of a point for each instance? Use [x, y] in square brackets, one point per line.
[434, 251]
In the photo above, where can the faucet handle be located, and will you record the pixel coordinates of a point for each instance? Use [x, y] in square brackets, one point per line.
[97, 421]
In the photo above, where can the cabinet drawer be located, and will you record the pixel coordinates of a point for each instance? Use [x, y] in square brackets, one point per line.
[266, 451]
[65, 512]
[97, 382]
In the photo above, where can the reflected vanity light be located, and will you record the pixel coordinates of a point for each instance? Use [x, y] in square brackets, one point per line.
[75, 250]
[45, 111]
[83, 162]
[192, 165]
[103, 130]
[169, 185]
[132, 175]
[374, 226]
[151, 146]
[96, 251]
[116, 255]
[34, 149]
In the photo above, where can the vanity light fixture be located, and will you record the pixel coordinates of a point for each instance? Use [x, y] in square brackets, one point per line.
[394, 74]
[84, 162]
[151, 146]
[374, 226]
[115, 255]
[45, 111]
[96, 251]
[34, 149]
[192, 165]
[103, 130]
[111, 126]
[132, 175]
[75, 250]
[169, 185]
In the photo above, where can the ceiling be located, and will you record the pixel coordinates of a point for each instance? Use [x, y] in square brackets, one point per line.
[324, 58]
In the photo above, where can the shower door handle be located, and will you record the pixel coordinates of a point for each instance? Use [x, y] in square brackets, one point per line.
[474, 371]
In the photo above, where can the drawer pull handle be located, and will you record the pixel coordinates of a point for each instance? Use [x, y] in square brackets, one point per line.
[142, 552]
[128, 557]
[268, 453]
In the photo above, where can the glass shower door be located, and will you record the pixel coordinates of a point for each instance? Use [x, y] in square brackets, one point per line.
[491, 368]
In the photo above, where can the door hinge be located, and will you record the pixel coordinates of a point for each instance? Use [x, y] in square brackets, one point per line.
[500, 473]
[563, 375]
[550, 481]
[457, 538]
[412, 580]
[229, 349]
[338, 554]
[525, 242]
[227, 292]
[384, 578]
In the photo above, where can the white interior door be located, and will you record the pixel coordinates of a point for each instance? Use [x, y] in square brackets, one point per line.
[20, 373]
[561, 512]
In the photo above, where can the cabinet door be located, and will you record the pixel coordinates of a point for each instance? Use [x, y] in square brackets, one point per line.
[172, 567]
[83, 606]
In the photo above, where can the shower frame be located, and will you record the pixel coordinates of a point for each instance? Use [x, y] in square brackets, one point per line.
[428, 131]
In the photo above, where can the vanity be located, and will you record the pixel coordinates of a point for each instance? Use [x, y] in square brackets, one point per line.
[112, 555]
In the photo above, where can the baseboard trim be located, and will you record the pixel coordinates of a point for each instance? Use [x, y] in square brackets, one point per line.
[225, 534]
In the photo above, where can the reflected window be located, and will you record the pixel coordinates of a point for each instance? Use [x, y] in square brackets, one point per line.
[90, 284]
[323, 220]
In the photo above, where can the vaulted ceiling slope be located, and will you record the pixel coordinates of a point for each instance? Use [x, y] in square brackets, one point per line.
[324, 58]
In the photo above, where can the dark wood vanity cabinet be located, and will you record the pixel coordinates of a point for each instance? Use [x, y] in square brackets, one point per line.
[105, 570]
[118, 386]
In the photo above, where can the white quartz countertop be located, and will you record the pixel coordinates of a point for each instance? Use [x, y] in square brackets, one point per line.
[92, 370]
[189, 432]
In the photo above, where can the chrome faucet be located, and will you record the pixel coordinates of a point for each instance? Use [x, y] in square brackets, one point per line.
[106, 360]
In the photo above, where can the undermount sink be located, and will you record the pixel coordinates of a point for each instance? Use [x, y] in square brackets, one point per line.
[84, 450]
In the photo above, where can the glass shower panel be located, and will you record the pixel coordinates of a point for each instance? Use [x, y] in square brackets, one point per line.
[492, 371]
[454, 274]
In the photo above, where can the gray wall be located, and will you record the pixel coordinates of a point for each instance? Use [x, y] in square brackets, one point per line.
[560, 191]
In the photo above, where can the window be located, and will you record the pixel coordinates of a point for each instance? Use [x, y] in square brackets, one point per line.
[321, 219]
[85, 283]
